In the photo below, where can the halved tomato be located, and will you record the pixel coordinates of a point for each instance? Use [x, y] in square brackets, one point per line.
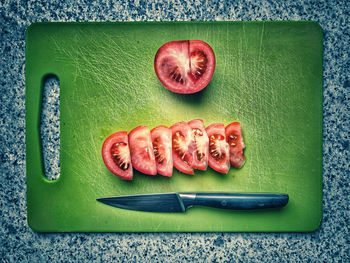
[219, 150]
[200, 142]
[116, 155]
[234, 137]
[185, 66]
[161, 140]
[182, 145]
[141, 150]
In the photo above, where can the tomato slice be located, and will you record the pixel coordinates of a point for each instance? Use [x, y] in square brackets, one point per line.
[116, 155]
[142, 156]
[219, 150]
[161, 140]
[182, 146]
[234, 138]
[185, 66]
[201, 143]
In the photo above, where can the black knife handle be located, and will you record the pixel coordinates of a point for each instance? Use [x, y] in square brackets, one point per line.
[236, 201]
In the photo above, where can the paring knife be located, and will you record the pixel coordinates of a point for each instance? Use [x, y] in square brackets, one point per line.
[179, 202]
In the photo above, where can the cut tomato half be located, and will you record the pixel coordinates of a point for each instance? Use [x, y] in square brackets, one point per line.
[141, 150]
[182, 147]
[201, 143]
[116, 155]
[161, 140]
[185, 66]
[219, 150]
[234, 138]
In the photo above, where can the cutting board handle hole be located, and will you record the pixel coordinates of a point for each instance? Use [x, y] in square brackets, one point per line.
[50, 126]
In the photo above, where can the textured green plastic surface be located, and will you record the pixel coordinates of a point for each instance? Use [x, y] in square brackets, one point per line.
[268, 76]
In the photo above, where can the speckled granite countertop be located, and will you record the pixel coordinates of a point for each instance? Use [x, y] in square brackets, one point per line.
[329, 243]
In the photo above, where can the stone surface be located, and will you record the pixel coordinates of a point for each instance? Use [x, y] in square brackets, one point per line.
[329, 243]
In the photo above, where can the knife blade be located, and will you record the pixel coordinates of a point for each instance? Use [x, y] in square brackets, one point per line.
[180, 202]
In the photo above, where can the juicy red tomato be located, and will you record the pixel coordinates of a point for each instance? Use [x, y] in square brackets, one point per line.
[141, 150]
[182, 147]
[116, 155]
[219, 150]
[234, 138]
[161, 140]
[185, 66]
[201, 143]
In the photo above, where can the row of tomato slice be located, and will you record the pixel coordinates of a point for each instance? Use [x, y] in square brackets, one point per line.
[185, 146]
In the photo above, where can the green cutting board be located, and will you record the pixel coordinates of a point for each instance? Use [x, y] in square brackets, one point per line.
[268, 76]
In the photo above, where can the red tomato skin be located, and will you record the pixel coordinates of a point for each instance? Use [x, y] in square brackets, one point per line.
[141, 150]
[222, 166]
[237, 157]
[179, 163]
[203, 163]
[121, 136]
[164, 134]
[185, 47]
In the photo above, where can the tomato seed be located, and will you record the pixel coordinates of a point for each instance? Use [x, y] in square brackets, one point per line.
[117, 158]
[233, 137]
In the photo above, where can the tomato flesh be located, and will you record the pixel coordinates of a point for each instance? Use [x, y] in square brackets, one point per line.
[141, 150]
[234, 138]
[185, 146]
[219, 150]
[182, 147]
[161, 140]
[201, 143]
[116, 155]
[185, 66]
